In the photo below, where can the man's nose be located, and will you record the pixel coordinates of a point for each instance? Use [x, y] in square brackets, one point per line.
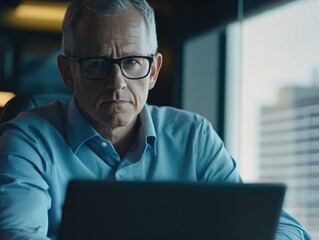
[115, 80]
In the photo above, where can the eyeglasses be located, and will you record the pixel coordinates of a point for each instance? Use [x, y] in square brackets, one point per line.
[98, 68]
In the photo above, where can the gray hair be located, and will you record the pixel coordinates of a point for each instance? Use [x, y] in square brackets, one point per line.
[79, 10]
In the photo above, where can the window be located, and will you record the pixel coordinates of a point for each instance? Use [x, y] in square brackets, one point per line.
[272, 118]
[201, 75]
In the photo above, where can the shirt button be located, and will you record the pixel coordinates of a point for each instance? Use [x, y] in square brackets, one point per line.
[104, 144]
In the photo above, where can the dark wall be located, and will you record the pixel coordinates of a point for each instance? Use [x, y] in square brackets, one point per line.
[177, 21]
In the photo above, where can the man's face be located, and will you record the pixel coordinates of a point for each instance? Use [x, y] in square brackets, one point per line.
[114, 101]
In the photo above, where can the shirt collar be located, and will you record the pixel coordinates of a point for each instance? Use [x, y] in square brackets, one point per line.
[147, 127]
[79, 130]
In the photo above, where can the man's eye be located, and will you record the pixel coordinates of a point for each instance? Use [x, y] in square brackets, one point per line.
[96, 64]
[130, 61]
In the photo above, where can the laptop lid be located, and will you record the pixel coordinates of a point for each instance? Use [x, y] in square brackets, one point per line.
[170, 211]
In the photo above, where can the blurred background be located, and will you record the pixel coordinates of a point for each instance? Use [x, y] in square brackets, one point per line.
[249, 66]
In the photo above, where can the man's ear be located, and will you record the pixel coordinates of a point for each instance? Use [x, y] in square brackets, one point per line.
[65, 70]
[155, 69]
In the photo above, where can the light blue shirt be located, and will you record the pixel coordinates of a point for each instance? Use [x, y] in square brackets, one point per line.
[44, 148]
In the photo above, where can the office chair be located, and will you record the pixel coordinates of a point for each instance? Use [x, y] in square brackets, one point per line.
[24, 102]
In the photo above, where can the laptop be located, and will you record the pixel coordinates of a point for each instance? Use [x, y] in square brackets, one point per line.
[170, 211]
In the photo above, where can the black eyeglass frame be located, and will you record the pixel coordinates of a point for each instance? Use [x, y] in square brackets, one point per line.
[113, 61]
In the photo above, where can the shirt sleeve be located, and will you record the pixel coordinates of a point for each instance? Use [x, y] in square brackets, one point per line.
[24, 200]
[215, 164]
[290, 229]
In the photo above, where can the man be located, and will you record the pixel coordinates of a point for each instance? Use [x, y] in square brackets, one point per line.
[107, 131]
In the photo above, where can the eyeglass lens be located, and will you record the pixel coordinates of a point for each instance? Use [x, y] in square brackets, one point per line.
[131, 67]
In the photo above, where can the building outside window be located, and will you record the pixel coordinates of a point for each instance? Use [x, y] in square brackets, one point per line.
[272, 118]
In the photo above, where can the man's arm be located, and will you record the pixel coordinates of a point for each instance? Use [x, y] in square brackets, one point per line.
[290, 228]
[24, 200]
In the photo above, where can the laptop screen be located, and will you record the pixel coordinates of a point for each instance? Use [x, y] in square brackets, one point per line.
[170, 211]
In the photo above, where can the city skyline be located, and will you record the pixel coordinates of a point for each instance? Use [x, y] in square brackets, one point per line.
[279, 48]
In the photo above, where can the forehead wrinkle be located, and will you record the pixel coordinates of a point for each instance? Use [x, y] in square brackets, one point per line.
[118, 45]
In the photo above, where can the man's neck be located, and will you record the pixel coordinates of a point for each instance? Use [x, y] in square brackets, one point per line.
[122, 138]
